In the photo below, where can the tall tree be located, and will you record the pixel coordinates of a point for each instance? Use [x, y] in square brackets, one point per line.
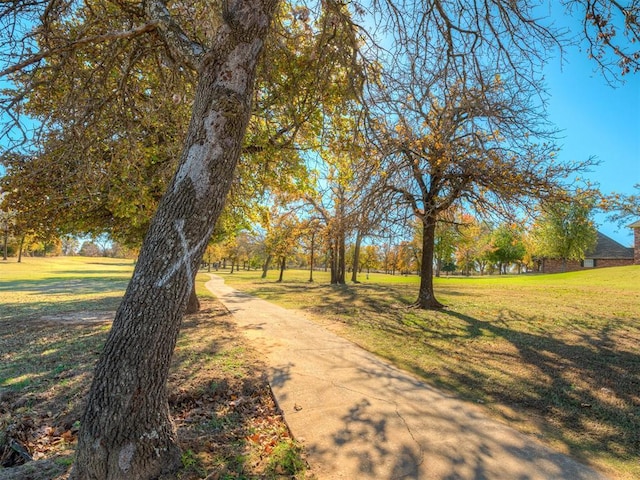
[566, 230]
[473, 244]
[507, 246]
[283, 237]
[469, 146]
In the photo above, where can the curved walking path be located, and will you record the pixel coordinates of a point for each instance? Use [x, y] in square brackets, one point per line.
[359, 417]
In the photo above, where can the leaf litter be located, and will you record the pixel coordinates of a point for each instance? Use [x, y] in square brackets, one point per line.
[227, 421]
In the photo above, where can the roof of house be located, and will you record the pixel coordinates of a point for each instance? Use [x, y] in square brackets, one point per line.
[608, 248]
[635, 224]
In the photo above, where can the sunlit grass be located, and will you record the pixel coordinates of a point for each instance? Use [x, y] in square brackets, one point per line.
[45, 286]
[557, 356]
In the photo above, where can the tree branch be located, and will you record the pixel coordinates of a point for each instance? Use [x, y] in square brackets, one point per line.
[187, 50]
[148, 27]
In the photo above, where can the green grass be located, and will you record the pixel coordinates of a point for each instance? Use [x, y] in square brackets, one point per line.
[557, 356]
[46, 286]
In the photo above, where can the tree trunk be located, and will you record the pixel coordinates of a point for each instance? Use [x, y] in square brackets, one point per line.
[313, 247]
[337, 260]
[265, 267]
[20, 247]
[126, 431]
[6, 242]
[426, 297]
[356, 257]
[342, 261]
[283, 264]
[193, 304]
[333, 266]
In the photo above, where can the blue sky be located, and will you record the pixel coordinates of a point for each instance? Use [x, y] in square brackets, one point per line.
[599, 120]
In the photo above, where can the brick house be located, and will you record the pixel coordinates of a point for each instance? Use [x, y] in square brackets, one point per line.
[636, 242]
[606, 253]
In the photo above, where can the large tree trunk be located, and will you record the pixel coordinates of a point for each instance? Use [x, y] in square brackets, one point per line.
[337, 259]
[333, 264]
[126, 430]
[426, 297]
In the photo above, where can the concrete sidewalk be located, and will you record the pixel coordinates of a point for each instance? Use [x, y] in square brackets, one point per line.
[361, 418]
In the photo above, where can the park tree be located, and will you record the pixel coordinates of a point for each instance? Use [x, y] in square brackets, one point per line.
[566, 230]
[446, 240]
[507, 247]
[282, 239]
[311, 231]
[370, 258]
[463, 128]
[334, 204]
[470, 146]
[473, 244]
[126, 431]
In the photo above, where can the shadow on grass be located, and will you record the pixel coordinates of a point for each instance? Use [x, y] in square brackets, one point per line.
[43, 297]
[588, 389]
[579, 384]
[34, 310]
[70, 286]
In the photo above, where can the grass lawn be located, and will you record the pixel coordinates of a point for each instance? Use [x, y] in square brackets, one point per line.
[54, 317]
[556, 356]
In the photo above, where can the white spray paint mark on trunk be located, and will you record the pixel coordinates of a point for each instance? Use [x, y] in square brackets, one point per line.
[185, 258]
[199, 156]
[195, 170]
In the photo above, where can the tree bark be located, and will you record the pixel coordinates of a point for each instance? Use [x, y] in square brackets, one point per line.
[193, 304]
[312, 255]
[6, 242]
[20, 249]
[356, 257]
[283, 264]
[337, 260]
[426, 296]
[265, 267]
[126, 431]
